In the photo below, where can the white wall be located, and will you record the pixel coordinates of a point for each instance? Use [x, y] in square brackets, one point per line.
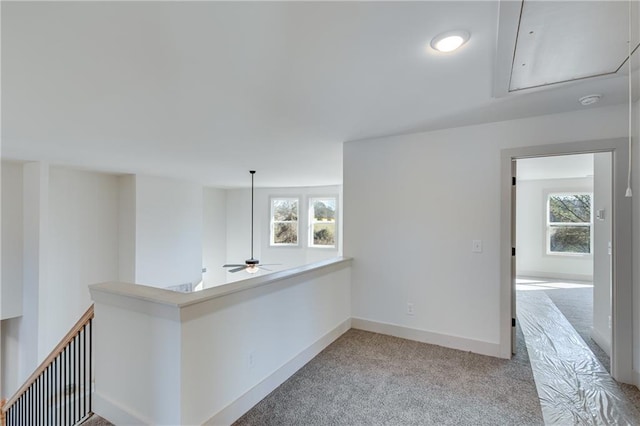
[214, 236]
[35, 250]
[11, 279]
[636, 235]
[239, 228]
[69, 240]
[531, 239]
[82, 249]
[127, 229]
[414, 203]
[602, 230]
[168, 246]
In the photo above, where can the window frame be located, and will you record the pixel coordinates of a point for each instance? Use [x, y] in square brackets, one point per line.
[550, 225]
[311, 221]
[272, 222]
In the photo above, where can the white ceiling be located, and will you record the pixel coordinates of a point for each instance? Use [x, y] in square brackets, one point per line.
[205, 91]
[557, 167]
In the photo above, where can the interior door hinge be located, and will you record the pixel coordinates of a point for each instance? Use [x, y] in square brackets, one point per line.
[513, 251]
[513, 180]
[513, 322]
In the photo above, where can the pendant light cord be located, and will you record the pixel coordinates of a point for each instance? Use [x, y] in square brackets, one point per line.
[252, 173]
[629, 193]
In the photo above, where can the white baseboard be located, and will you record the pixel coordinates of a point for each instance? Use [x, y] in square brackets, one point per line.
[115, 413]
[601, 340]
[454, 342]
[237, 408]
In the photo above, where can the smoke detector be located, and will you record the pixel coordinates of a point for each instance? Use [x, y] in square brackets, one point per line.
[589, 99]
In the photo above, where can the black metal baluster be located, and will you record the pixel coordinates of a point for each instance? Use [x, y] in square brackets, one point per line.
[71, 383]
[47, 417]
[75, 382]
[41, 398]
[90, 363]
[64, 386]
[77, 388]
[34, 401]
[39, 404]
[43, 408]
[50, 397]
[37, 400]
[68, 384]
[84, 370]
[46, 394]
[54, 392]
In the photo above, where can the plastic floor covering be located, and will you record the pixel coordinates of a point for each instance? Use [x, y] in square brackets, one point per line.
[574, 388]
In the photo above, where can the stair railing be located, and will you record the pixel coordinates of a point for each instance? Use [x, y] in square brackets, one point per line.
[59, 390]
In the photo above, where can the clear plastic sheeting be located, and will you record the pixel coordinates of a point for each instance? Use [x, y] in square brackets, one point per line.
[574, 388]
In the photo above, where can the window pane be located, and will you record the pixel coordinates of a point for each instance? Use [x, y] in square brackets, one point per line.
[324, 209]
[570, 239]
[285, 210]
[324, 234]
[285, 233]
[570, 208]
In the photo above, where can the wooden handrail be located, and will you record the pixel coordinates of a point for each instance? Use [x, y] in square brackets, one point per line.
[3, 415]
[84, 320]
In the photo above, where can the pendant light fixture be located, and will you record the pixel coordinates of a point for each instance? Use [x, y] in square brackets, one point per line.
[251, 266]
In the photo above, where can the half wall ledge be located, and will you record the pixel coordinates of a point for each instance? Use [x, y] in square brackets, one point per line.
[165, 357]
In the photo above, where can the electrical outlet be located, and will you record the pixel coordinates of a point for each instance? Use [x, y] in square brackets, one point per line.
[252, 359]
[476, 246]
[409, 308]
[609, 321]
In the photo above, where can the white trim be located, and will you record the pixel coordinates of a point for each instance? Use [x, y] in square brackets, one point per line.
[601, 340]
[115, 413]
[622, 338]
[310, 221]
[240, 406]
[549, 224]
[636, 379]
[298, 200]
[453, 342]
[161, 302]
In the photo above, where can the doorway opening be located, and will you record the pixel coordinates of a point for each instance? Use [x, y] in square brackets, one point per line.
[621, 247]
[563, 241]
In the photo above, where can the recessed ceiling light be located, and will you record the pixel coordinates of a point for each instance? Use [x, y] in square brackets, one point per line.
[590, 99]
[449, 41]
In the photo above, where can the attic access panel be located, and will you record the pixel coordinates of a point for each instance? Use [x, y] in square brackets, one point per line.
[565, 41]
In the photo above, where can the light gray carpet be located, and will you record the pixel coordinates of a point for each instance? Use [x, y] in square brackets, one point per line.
[96, 420]
[370, 379]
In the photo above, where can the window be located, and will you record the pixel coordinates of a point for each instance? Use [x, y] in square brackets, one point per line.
[322, 222]
[284, 221]
[569, 223]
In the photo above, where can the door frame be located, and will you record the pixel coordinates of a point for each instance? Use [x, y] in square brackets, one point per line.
[621, 283]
